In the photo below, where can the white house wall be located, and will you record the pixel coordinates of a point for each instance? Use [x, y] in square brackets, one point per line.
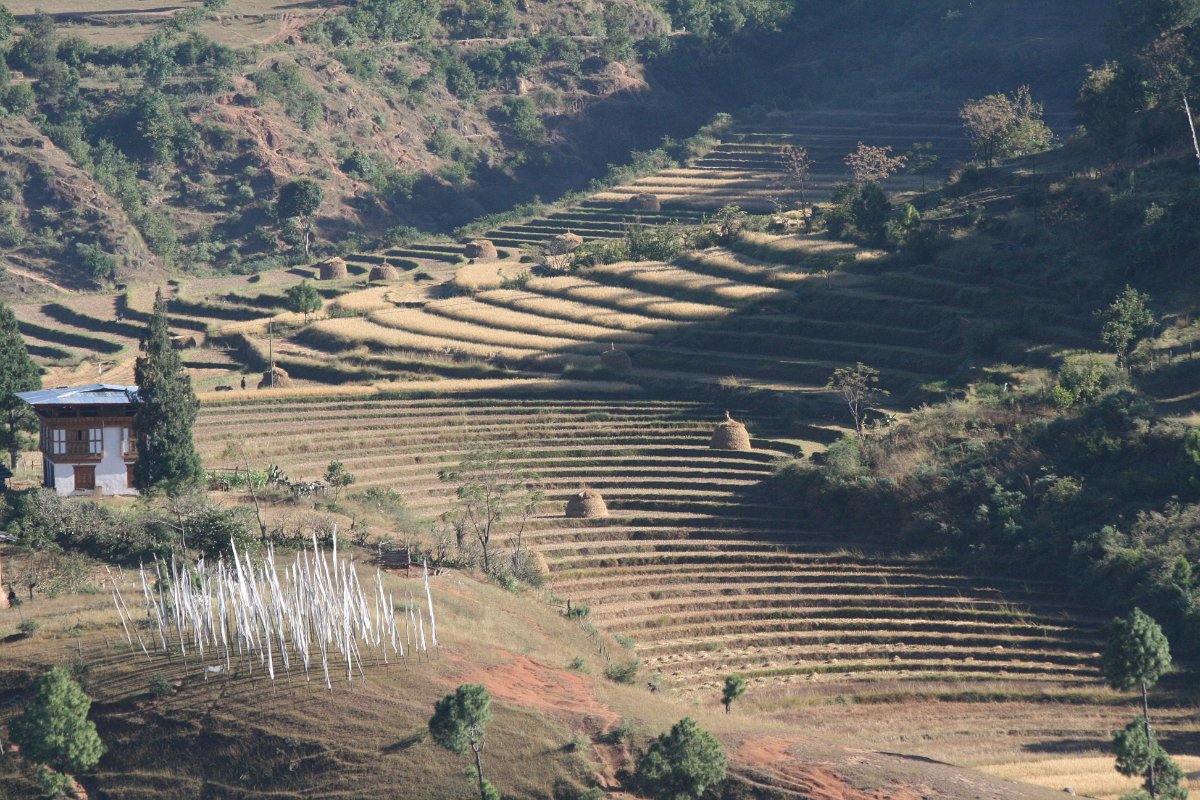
[64, 478]
[110, 472]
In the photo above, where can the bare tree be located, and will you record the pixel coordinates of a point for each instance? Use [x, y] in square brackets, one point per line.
[858, 386]
[493, 492]
[870, 164]
[797, 171]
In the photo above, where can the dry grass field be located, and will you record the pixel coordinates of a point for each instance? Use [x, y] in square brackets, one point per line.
[366, 739]
[702, 575]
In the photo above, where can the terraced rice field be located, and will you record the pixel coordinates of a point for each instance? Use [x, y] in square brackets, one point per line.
[705, 572]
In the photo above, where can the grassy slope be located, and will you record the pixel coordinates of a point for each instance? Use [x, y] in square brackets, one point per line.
[243, 736]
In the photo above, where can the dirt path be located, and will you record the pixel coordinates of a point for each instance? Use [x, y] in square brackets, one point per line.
[27, 275]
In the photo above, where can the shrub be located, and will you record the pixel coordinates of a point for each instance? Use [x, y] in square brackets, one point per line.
[623, 671]
[29, 627]
[160, 686]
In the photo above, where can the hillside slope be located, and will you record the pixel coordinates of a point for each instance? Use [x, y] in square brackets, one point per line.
[234, 735]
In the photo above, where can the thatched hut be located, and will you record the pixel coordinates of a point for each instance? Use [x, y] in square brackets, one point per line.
[587, 503]
[480, 249]
[616, 361]
[730, 435]
[644, 202]
[276, 378]
[332, 269]
[384, 272]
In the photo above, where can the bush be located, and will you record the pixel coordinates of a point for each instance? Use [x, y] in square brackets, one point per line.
[29, 627]
[623, 671]
[160, 686]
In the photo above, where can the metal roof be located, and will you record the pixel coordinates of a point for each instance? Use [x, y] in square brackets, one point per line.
[94, 394]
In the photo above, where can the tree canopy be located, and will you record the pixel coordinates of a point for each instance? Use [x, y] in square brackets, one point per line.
[53, 728]
[303, 298]
[1125, 320]
[18, 373]
[1137, 654]
[458, 724]
[165, 410]
[682, 764]
[735, 687]
[1001, 125]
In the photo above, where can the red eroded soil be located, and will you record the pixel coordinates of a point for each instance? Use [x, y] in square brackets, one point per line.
[553, 692]
[528, 684]
[770, 758]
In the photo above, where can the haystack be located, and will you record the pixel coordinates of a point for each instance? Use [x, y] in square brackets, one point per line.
[565, 243]
[588, 503]
[384, 272]
[281, 379]
[644, 202]
[730, 435]
[185, 341]
[480, 248]
[332, 269]
[616, 361]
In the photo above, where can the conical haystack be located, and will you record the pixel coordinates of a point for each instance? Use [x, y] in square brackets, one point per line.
[281, 379]
[588, 503]
[480, 248]
[331, 269]
[616, 361]
[564, 243]
[730, 435]
[384, 272]
[644, 202]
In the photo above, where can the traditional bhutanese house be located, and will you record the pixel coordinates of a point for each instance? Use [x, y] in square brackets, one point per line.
[87, 439]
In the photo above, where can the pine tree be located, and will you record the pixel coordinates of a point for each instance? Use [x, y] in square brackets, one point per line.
[165, 409]
[18, 373]
[53, 728]
[458, 724]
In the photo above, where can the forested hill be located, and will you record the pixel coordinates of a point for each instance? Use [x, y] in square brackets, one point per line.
[139, 143]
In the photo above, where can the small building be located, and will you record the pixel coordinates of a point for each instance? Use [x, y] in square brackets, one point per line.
[86, 438]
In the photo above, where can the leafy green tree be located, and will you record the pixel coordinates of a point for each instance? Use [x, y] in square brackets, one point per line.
[396, 20]
[521, 116]
[1001, 125]
[53, 728]
[164, 412]
[1143, 757]
[1125, 320]
[301, 198]
[98, 264]
[735, 687]
[871, 210]
[1136, 656]
[858, 386]
[303, 298]
[337, 476]
[7, 23]
[18, 373]
[682, 764]
[458, 724]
